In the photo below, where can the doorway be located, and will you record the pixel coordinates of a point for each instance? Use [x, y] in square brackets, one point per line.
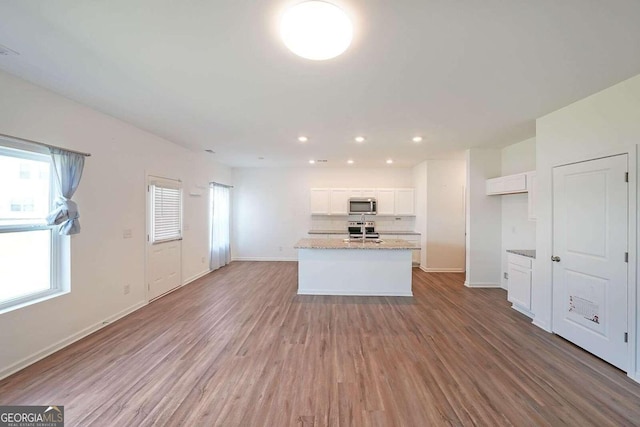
[164, 236]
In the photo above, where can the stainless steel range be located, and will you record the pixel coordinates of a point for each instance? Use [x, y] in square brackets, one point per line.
[360, 229]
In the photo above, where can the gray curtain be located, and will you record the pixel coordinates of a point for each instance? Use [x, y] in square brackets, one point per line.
[68, 169]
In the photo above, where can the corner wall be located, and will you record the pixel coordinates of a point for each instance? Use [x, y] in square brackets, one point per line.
[111, 198]
[271, 209]
[518, 232]
[483, 220]
[601, 125]
[445, 243]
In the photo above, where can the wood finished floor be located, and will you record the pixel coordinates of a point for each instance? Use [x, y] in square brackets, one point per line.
[240, 348]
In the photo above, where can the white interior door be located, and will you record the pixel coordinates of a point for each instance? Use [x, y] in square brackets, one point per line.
[590, 210]
[164, 236]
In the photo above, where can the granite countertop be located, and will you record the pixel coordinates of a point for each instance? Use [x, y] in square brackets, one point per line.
[405, 233]
[529, 253]
[397, 244]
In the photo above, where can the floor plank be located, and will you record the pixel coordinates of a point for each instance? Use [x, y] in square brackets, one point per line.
[238, 347]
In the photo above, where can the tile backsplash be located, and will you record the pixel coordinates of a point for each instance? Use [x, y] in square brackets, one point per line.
[387, 223]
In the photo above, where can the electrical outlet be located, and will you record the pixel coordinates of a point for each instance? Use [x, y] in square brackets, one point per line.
[506, 275]
[127, 289]
[280, 248]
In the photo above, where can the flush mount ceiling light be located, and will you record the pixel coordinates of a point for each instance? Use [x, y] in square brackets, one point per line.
[417, 139]
[350, 161]
[359, 138]
[312, 162]
[389, 161]
[303, 139]
[316, 30]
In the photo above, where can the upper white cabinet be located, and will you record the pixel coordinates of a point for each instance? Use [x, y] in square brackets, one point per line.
[335, 201]
[330, 201]
[362, 192]
[405, 204]
[320, 201]
[386, 201]
[507, 184]
[339, 201]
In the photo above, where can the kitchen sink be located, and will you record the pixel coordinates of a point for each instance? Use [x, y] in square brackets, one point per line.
[361, 241]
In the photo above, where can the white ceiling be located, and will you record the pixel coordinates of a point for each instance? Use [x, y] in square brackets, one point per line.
[214, 74]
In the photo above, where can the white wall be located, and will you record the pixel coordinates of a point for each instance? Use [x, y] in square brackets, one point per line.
[420, 186]
[271, 206]
[111, 198]
[483, 219]
[603, 124]
[445, 243]
[517, 231]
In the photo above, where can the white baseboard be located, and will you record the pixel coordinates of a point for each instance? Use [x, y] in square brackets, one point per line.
[542, 325]
[522, 310]
[29, 360]
[196, 277]
[442, 270]
[482, 285]
[353, 293]
[264, 259]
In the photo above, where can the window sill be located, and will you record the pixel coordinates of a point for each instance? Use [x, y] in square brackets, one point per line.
[33, 301]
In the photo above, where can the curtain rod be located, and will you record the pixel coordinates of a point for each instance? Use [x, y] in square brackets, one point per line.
[221, 185]
[42, 144]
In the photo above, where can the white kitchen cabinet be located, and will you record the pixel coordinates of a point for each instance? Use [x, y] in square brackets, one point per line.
[362, 192]
[509, 184]
[386, 201]
[532, 187]
[404, 203]
[335, 201]
[339, 204]
[320, 201]
[519, 270]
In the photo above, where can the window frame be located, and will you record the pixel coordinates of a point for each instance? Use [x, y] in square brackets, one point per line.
[57, 242]
[165, 183]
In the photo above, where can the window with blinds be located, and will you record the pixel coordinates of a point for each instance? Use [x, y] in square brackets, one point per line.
[166, 215]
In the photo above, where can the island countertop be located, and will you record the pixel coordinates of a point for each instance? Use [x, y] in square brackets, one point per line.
[394, 244]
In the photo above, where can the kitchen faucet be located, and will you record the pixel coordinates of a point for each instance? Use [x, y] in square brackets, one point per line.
[363, 228]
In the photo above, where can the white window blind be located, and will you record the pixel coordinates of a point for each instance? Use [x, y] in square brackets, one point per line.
[166, 204]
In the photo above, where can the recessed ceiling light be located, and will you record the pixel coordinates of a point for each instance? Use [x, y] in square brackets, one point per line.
[359, 138]
[316, 30]
[303, 139]
[417, 139]
[312, 161]
[350, 161]
[389, 161]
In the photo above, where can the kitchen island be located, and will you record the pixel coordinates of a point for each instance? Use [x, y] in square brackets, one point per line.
[339, 267]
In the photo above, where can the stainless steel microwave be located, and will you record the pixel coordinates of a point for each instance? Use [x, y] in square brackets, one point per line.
[359, 206]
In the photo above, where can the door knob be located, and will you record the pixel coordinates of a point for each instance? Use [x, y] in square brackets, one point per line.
[555, 258]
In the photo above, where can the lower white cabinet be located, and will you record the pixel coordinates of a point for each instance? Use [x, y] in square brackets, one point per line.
[519, 270]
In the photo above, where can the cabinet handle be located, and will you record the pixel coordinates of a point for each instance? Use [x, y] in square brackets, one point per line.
[555, 258]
